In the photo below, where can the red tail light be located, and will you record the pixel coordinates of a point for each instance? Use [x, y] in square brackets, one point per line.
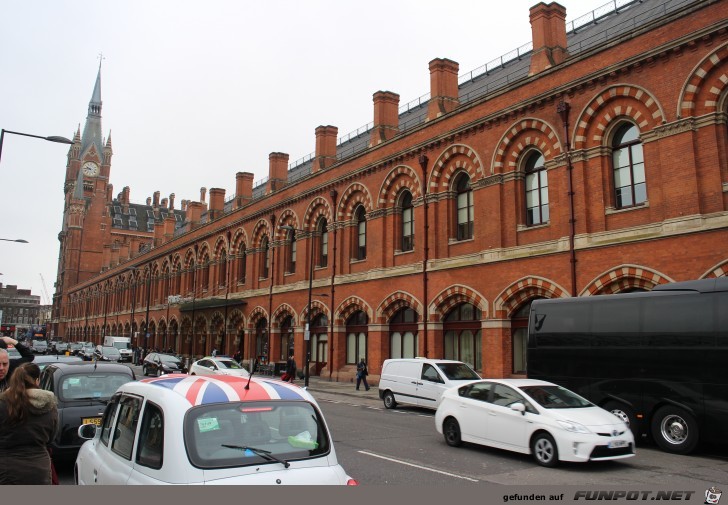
[352, 482]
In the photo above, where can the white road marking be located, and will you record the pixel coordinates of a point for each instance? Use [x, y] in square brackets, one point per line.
[367, 453]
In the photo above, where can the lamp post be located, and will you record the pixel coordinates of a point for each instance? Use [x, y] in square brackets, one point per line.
[53, 138]
[146, 317]
[307, 331]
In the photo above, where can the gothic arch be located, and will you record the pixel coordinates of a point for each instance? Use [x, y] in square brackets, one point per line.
[256, 315]
[281, 312]
[395, 302]
[719, 270]
[524, 289]
[619, 100]
[706, 83]
[236, 319]
[455, 295]
[350, 305]
[190, 257]
[317, 307]
[355, 194]
[623, 277]
[318, 207]
[399, 178]
[221, 244]
[287, 218]
[260, 230]
[240, 238]
[454, 159]
[526, 133]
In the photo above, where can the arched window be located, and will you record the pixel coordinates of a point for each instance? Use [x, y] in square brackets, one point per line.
[286, 337]
[630, 186]
[360, 246]
[242, 263]
[403, 337]
[408, 222]
[356, 337]
[292, 248]
[319, 341]
[462, 334]
[222, 270]
[265, 259]
[537, 190]
[464, 209]
[323, 243]
[261, 340]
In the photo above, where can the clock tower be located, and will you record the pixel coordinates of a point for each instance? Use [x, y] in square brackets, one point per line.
[85, 227]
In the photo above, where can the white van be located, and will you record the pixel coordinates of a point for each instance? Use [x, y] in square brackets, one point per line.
[421, 381]
[123, 344]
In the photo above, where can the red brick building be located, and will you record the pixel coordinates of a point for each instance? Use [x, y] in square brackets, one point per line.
[591, 162]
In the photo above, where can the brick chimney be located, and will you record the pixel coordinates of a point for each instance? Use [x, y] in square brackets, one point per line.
[277, 171]
[386, 117]
[109, 193]
[171, 201]
[443, 87]
[217, 203]
[184, 205]
[194, 214]
[203, 192]
[243, 188]
[169, 225]
[325, 147]
[548, 29]
[149, 200]
[163, 203]
[156, 199]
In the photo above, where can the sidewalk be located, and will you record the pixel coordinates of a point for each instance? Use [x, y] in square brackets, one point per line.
[323, 385]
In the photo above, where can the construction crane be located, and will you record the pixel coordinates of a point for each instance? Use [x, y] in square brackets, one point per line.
[45, 291]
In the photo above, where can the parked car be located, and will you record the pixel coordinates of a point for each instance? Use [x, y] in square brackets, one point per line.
[82, 391]
[87, 353]
[180, 429]
[107, 353]
[39, 346]
[61, 347]
[157, 363]
[76, 347]
[44, 361]
[421, 381]
[219, 365]
[13, 353]
[532, 417]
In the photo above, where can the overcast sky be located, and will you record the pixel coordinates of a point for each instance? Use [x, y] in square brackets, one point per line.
[194, 92]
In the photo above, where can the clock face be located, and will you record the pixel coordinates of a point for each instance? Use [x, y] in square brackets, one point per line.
[91, 169]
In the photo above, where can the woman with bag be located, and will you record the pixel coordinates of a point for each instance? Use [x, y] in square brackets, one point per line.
[361, 374]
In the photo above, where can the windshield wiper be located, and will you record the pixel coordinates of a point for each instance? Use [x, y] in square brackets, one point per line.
[260, 452]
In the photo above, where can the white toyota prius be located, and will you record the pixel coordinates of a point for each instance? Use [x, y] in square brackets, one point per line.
[182, 429]
[532, 417]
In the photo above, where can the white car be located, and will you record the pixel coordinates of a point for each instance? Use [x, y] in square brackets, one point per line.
[182, 429]
[532, 417]
[220, 365]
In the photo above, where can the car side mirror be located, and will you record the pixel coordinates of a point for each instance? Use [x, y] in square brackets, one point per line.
[519, 407]
[87, 431]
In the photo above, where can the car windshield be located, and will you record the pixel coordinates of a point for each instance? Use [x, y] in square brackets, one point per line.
[458, 371]
[225, 435]
[168, 359]
[76, 346]
[91, 386]
[555, 397]
[110, 351]
[228, 363]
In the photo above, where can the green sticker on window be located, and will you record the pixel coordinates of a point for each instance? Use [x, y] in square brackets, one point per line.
[208, 424]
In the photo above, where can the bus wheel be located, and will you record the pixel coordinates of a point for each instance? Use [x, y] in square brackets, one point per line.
[675, 430]
[623, 412]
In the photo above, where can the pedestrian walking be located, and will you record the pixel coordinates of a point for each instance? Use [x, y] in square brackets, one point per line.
[28, 423]
[214, 352]
[290, 374]
[238, 356]
[361, 374]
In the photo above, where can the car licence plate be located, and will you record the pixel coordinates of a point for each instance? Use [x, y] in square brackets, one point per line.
[614, 444]
[91, 420]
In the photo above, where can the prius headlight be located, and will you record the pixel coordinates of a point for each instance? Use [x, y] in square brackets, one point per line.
[573, 427]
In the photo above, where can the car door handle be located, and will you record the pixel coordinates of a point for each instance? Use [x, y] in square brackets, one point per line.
[414, 382]
[96, 475]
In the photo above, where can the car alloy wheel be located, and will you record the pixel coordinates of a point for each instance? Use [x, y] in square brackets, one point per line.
[544, 450]
[389, 401]
[451, 432]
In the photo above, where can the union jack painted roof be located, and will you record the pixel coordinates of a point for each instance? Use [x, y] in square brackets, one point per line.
[199, 390]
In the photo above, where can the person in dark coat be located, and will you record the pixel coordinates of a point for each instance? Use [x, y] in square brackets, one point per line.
[290, 368]
[361, 374]
[7, 365]
[28, 423]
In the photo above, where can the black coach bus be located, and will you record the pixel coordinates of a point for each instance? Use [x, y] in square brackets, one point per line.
[658, 359]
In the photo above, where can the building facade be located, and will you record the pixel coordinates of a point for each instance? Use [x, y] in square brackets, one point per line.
[20, 312]
[592, 161]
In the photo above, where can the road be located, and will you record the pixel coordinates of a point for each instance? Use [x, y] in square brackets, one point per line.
[401, 447]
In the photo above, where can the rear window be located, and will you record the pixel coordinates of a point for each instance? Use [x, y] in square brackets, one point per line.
[225, 435]
[458, 371]
[91, 386]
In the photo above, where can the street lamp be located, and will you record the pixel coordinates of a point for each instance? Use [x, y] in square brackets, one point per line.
[20, 240]
[307, 331]
[52, 138]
